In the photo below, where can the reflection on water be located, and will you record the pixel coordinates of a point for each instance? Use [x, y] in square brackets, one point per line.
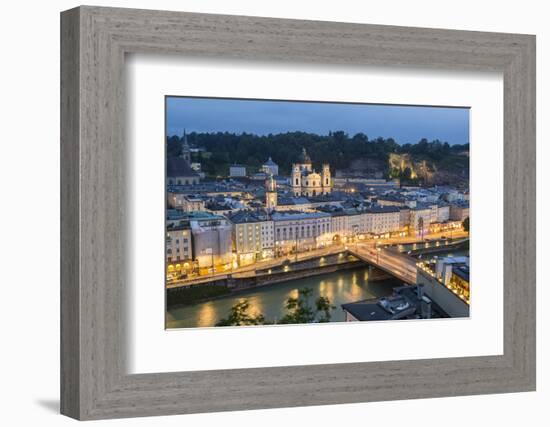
[339, 287]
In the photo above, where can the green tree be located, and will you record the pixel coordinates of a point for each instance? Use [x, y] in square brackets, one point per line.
[466, 224]
[300, 309]
[338, 148]
[239, 316]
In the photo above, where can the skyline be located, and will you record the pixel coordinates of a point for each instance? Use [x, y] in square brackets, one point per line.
[405, 124]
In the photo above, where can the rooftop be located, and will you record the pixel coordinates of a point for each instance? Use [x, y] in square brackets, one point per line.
[243, 216]
[405, 303]
[382, 209]
[270, 162]
[173, 214]
[291, 215]
[178, 166]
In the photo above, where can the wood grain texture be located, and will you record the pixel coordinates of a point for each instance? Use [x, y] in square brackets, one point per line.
[95, 240]
[70, 292]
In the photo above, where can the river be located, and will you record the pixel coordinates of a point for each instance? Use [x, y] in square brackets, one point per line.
[339, 287]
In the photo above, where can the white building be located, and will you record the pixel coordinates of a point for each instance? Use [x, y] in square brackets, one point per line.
[211, 240]
[253, 237]
[237, 171]
[306, 182]
[185, 202]
[382, 220]
[301, 231]
[356, 223]
[443, 213]
[179, 250]
[459, 211]
[270, 168]
[178, 244]
[454, 196]
[339, 225]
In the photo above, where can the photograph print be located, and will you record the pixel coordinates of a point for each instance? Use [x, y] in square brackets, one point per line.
[307, 212]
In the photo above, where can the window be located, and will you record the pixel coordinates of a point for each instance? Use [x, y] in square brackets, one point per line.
[297, 183]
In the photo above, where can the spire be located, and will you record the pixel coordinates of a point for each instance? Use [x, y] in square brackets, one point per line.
[185, 149]
[185, 143]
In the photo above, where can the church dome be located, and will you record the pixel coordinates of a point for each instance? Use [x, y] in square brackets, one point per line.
[270, 162]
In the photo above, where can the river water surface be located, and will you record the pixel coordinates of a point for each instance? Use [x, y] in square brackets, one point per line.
[339, 287]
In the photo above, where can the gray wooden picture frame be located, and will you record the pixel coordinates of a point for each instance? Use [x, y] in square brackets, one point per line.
[94, 42]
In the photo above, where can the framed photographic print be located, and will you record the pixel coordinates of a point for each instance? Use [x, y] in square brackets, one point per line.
[281, 213]
[361, 229]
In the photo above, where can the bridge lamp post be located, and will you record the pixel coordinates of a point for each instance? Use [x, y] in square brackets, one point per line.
[378, 255]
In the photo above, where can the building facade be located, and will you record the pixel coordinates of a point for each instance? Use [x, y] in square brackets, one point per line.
[237, 171]
[179, 250]
[212, 243]
[301, 231]
[270, 194]
[382, 220]
[270, 168]
[252, 237]
[420, 220]
[443, 213]
[459, 211]
[185, 202]
[306, 182]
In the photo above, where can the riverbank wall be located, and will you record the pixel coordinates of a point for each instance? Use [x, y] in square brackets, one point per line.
[462, 245]
[236, 283]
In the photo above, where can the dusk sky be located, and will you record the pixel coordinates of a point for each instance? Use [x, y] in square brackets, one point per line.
[405, 124]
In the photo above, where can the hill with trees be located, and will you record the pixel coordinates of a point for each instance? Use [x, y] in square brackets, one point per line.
[340, 150]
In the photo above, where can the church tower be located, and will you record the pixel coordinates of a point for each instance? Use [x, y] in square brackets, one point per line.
[185, 149]
[270, 194]
[326, 179]
[296, 178]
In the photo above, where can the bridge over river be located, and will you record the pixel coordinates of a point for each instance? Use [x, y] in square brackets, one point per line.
[392, 262]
